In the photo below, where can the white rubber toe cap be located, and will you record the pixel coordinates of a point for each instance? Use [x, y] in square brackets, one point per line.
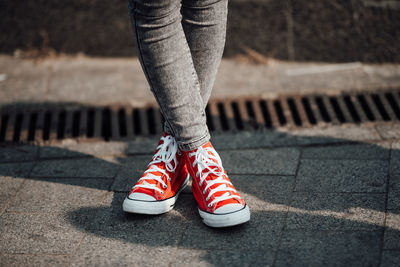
[141, 196]
[228, 208]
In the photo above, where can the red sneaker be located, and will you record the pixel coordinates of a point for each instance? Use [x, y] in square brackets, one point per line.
[159, 187]
[220, 205]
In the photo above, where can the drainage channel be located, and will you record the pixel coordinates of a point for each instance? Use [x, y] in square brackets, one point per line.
[39, 124]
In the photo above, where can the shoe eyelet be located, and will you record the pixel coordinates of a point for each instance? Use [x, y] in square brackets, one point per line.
[209, 205]
[165, 187]
[162, 193]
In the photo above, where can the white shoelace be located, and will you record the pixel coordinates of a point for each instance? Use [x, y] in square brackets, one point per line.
[205, 160]
[166, 153]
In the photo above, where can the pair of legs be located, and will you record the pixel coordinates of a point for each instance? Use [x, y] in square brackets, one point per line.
[180, 45]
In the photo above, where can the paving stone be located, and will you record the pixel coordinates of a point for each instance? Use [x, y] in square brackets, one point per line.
[285, 137]
[55, 168]
[394, 193]
[70, 149]
[19, 170]
[342, 175]
[216, 257]
[137, 247]
[392, 231]
[352, 151]
[252, 235]
[193, 257]
[261, 161]
[110, 216]
[48, 195]
[332, 211]
[98, 167]
[9, 186]
[142, 145]
[18, 153]
[248, 140]
[33, 260]
[390, 258]
[335, 134]
[85, 167]
[11, 178]
[389, 131]
[37, 233]
[264, 193]
[324, 248]
[131, 170]
[395, 159]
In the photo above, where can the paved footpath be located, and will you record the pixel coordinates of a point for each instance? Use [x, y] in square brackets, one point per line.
[318, 197]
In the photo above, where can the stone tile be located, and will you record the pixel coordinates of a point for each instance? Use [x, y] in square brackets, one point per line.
[18, 170]
[389, 131]
[248, 140]
[390, 258]
[9, 186]
[341, 175]
[33, 260]
[98, 167]
[261, 161]
[74, 150]
[334, 134]
[322, 248]
[264, 193]
[37, 233]
[55, 168]
[193, 257]
[351, 151]
[284, 137]
[18, 153]
[48, 195]
[394, 193]
[260, 233]
[11, 179]
[332, 211]
[142, 145]
[392, 231]
[131, 170]
[110, 216]
[395, 159]
[85, 167]
[138, 247]
[217, 257]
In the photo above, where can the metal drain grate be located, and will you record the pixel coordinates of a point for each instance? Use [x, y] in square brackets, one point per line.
[21, 124]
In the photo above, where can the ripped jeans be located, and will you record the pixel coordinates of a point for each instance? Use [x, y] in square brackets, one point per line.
[180, 45]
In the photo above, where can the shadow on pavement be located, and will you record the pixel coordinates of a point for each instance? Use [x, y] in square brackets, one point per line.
[330, 209]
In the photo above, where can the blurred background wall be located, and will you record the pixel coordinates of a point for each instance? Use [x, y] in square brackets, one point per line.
[296, 30]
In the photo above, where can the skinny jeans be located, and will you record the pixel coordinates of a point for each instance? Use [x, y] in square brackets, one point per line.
[180, 45]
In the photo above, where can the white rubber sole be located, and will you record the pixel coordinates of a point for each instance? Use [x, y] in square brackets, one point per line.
[226, 219]
[152, 207]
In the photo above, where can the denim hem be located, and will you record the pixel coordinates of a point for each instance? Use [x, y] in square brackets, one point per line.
[167, 129]
[191, 145]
